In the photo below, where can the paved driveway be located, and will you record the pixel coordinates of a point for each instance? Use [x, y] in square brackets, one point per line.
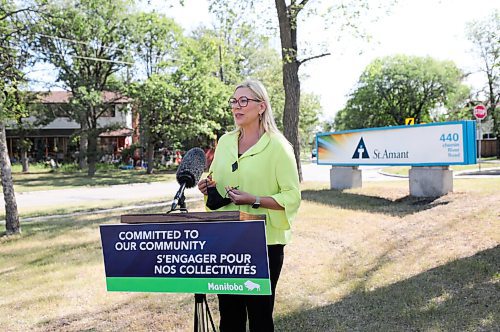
[78, 196]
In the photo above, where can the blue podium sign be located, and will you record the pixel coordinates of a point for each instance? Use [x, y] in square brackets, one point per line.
[227, 257]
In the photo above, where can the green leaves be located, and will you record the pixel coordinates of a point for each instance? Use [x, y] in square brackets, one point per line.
[394, 88]
[155, 40]
[15, 39]
[87, 42]
[187, 101]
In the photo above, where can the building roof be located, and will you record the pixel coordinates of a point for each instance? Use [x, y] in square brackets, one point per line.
[62, 97]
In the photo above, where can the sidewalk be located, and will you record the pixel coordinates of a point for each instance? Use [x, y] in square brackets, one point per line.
[486, 169]
[77, 196]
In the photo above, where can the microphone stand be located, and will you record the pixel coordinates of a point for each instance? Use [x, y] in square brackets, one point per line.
[202, 314]
[201, 309]
[181, 203]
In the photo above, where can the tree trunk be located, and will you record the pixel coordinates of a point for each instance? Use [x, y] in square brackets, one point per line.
[151, 156]
[291, 113]
[24, 152]
[11, 216]
[291, 83]
[25, 161]
[92, 153]
[82, 155]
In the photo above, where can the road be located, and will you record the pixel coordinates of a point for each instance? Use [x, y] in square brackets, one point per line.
[78, 196]
[166, 190]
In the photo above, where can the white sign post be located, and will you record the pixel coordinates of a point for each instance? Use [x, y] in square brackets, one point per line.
[480, 112]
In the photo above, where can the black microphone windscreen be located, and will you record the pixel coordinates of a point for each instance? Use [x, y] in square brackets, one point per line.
[191, 167]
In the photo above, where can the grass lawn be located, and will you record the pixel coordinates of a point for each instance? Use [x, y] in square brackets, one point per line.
[368, 259]
[46, 180]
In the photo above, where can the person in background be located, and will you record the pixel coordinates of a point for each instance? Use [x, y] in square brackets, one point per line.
[209, 155]
[254, 171]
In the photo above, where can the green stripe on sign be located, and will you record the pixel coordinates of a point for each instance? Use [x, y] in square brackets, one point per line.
[240, 286]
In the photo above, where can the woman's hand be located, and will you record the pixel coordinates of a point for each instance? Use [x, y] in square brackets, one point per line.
[239, 197]
[204, 184]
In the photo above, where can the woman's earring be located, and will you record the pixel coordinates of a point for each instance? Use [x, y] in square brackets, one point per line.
[260, 116]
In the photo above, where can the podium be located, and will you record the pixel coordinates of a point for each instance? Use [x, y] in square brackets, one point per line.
[190, 217]
[199, 252]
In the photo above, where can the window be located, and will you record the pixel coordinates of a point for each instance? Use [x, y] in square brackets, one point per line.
[109, 111]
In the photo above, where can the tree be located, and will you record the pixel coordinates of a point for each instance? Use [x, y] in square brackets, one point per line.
[458, 105]
[12, 225]
[155, 40]
[202, 97]
[394, 88]
[87, 41]
[187, 101]
[240, 46]
[14, 55]
[485, 35]
[287, 17]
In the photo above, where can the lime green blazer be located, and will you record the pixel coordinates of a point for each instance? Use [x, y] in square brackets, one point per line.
[266, 169]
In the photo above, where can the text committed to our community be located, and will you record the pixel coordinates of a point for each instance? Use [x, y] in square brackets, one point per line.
[177, 262]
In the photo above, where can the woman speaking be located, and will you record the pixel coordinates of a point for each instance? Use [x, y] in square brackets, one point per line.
[254, 171]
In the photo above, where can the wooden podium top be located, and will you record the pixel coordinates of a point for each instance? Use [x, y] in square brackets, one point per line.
[189, 217]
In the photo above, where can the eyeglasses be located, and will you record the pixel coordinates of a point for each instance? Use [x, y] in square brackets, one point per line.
[242, 101]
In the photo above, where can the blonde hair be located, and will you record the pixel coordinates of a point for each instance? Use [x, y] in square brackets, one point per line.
[267, 123]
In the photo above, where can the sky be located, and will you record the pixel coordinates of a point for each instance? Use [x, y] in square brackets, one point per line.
[433, 28]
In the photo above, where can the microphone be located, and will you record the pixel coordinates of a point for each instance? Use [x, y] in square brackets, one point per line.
[189, 173]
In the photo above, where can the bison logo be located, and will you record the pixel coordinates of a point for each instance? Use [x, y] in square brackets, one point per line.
[251, 285]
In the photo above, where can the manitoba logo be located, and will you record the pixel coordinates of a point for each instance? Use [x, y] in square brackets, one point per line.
[361, 151]
[250, 285]
[227, 286]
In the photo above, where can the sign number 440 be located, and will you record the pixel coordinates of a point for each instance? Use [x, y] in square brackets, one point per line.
[449, 137]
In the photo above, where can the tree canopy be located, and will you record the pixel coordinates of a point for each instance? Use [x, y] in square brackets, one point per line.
[87, 43]
[393, 88]
[188, 102]
[155, 39]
